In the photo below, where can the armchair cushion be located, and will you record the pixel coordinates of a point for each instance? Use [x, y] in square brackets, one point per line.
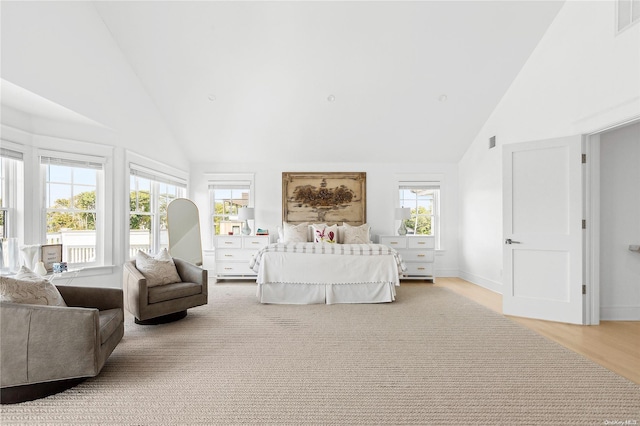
[173, 291]
[30, 291]
[158, 270]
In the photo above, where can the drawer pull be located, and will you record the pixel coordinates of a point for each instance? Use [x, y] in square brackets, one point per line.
[255, 242]
[421, 269]
[228, 269]
[421, 255]
[422, 242]
[228, 255]
[393, 242]
[228, 242]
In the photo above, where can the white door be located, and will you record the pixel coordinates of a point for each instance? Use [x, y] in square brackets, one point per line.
[543, 237]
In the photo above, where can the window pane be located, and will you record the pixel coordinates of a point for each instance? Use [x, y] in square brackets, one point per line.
[148, 219]
[421, 201]
[226, 203]
[61, 174]
[71, 215]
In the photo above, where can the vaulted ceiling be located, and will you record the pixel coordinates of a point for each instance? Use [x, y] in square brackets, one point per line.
[326, 81]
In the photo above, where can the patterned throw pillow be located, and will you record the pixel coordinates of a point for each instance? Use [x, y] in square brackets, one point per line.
[295, 233]
[324, 234]
[357, 234]
[29, 288]
[158, 270]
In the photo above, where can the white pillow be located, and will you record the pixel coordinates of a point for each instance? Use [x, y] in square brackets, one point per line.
[357, 234]
[158, 270]
[295, 233]
[29, 288]
[322, 233]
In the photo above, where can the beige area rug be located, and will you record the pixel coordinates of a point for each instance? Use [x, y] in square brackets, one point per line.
[432, 357]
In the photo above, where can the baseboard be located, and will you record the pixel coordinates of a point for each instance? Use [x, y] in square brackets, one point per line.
[620, 313]
[492, 285]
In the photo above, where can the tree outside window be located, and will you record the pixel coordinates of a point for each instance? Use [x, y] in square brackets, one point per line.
[423, 204]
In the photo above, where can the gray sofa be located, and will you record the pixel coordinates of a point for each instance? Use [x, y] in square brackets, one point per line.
[164, 303]
[46, 349]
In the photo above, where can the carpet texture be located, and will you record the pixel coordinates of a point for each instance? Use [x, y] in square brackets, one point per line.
[431, 357]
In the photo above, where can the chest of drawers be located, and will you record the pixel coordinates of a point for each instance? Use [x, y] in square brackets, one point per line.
[233, 253]
[418, 253]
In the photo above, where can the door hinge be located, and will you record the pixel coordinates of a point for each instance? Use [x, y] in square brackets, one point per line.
[584, 289]
[584, 224]
[584, 158]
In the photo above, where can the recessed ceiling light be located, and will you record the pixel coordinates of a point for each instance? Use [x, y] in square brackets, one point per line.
[212, 97]
[442, 98]
[331, 98]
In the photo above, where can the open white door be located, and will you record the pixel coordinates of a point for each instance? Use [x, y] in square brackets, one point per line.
[543, 237]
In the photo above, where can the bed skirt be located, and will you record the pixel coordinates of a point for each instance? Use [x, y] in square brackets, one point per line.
[305, 294]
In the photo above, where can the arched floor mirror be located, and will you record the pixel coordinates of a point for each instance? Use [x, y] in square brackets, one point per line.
[183, 222]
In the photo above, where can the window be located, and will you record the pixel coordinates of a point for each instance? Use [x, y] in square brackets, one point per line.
[226, 199]
[227, 193]
[150, 194]
[73, 195]
[11, 171]
[423, 198]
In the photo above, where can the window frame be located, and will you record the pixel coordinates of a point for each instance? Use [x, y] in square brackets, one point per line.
[102, 223]
[426, 181]
[230, 181]
[156, 179]
[12, 181]
[154, 171]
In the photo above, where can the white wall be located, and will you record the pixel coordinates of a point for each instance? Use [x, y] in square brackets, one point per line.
[381, 198]
[63, 52]
[620, 224]
[581, 77]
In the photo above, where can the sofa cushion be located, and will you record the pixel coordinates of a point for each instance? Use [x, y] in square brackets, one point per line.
[158, 270]
[173, 291]
[110, 320]
[34, 291]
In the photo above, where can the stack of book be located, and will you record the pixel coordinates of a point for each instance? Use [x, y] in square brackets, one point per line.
[261, 231]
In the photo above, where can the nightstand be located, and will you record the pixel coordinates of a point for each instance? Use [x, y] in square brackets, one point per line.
[418, 253]
[233, 253]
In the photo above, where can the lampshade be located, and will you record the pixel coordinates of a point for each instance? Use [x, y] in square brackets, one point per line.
[403, 213]
[246, 213]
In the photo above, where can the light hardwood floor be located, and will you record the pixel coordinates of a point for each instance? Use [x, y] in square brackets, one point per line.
[613, 344]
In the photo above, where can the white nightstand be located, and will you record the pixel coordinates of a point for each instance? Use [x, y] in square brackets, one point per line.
[418, 253]
[233, 253]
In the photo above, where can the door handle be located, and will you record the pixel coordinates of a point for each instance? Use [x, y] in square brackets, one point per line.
[510, 241]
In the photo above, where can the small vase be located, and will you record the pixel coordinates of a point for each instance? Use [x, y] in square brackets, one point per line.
[40, 269]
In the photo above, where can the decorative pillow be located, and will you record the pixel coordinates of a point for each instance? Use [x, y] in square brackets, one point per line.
[324, 234]
[357, 234]
[295, 233]
[158, 270]
[29, 288]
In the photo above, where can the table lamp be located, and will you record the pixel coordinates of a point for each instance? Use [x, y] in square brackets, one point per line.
[245, 214]
[403, 214]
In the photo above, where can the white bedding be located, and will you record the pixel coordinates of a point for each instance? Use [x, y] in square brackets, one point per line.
[303, 273]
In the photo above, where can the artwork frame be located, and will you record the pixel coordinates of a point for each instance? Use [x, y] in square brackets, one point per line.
[324, 197]
[50, 254]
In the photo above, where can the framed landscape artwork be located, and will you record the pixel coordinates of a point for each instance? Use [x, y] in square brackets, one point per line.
[333, 197]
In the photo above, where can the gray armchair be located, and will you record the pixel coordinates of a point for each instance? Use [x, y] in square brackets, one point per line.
[47, 349]
[164, 303]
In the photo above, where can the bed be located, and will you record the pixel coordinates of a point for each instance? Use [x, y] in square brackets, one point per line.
[307, 273]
